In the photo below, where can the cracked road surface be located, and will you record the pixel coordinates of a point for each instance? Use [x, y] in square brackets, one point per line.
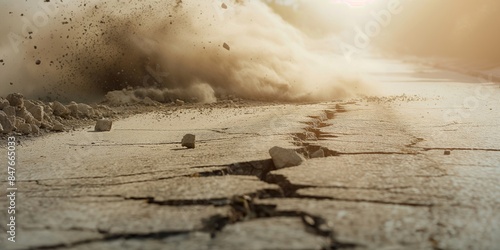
[416, 167]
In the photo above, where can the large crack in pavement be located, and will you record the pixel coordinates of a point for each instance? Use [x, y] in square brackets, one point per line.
[244, 208]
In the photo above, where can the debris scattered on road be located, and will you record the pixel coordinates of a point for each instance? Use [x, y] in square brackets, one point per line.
[103, 125]
[188, 141]
[283, 158]
[33, 117]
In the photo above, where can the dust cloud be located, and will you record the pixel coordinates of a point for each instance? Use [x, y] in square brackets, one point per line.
[459, 29]
[190, 49]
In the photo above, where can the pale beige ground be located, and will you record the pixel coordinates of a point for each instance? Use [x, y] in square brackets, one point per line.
[387, 185]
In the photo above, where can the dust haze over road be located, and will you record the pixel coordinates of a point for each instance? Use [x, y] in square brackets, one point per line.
[169, 50]
[172, 49]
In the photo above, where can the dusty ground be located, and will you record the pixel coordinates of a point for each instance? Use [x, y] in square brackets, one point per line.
[415, 167]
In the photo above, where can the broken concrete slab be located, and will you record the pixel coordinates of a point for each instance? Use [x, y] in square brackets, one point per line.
[180, 190]
[188, 141]
[270, 233]
[284, 158]
[103, 125]
[395, 226]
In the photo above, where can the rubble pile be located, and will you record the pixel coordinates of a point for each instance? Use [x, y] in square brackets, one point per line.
[32, 117]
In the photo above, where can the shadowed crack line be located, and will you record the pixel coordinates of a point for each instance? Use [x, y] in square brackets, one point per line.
[411, 204]
[376, 153]
[112, 237]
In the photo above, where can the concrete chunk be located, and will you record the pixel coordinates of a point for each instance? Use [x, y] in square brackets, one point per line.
[16, 99]
[179, 102]
[37, 112]
[35, 129]
[4, 103]
[284, 158]
[60, 110]
[24, 128]
[6, 123]
[85, 110]
[320, 153]
[188, 141]
[103, 125]
[58, 127]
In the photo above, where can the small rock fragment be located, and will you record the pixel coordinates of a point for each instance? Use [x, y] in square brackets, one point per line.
[27, 116]
[35, 129]
[60, 110]
[103, 125]
[16, 99]
[283, 158]
[179, 102]
[85, 110]
[188, 141]
[24, 128]
[58, 127]
[6, 123]
[148, 101]
[73, 108]
[3, 103]
[226, 46]
[19, 121]
[37, 112]
[311, 136]
[320, 153]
